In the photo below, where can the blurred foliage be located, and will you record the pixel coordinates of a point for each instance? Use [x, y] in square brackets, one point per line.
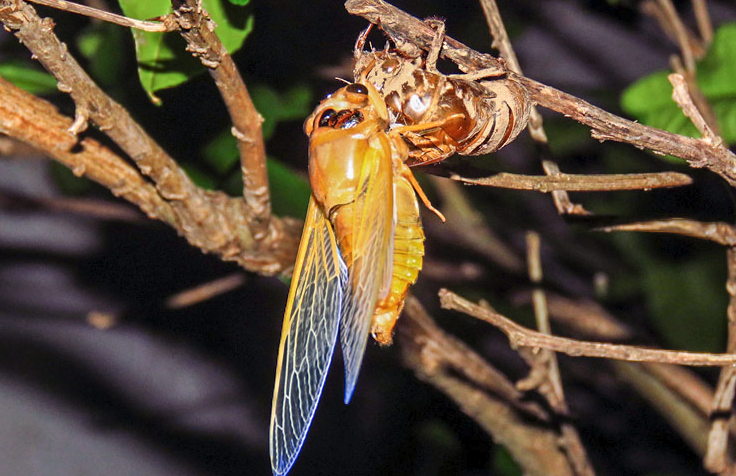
[290, 191]
[293, 104]
[28, 76]
[650, 99]
[68, 183]
[685, 297]
[100, 44]
[503, 463]
[163, 61]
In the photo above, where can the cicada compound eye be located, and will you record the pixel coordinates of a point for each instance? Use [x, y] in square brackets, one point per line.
[357, 88]
[327, 118]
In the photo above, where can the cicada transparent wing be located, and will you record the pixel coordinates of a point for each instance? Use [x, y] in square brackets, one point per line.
[308, 337]
[371, 226]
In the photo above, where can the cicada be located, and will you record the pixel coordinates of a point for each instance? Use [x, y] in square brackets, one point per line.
[468, 114]
[361, 248]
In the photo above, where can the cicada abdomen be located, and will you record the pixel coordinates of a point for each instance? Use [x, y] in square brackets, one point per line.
[461, 116]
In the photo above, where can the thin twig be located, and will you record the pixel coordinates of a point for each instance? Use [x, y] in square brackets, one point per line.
[681, 34]
[652, 380]
[481, 392]
[607, 126]
[580, 182]
[684, 418]
[705, 27]
[591, 321]
[407, 31]
[152, 26]
[718, 232]
[199, 31]
[502, 42]
[667, 19]
[717, 458]
[691, 49]
[582, 317]
[553, 390]
[205, 291]
[522, 337]
[186, 199]
[38, 124]
[211, 221]
[683, 98]
[561, 198]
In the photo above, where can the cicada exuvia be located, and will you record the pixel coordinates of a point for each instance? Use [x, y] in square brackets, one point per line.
[468, 114]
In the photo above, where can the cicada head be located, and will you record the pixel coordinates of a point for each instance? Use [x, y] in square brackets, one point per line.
[346, 108]
[341, 129]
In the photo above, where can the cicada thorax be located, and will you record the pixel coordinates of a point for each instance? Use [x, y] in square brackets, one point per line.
[462, 116]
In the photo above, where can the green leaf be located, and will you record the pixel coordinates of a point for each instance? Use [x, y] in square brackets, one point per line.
[100, 44]
[222, 152]
[68, 183]
[163, 61]
[28, 77]
[650, 99]
[199, 177]
[240, 3]
[289, 191]
[503, 462]
[296, 103]
[688, 295]
[233, 23]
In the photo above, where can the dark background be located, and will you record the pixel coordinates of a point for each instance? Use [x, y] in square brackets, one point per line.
[188, 392]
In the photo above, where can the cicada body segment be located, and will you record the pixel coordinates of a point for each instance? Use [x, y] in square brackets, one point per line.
[443, 115]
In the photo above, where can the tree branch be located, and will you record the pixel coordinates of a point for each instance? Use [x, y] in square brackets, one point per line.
[580, 182]
[199, 32]
[522, 337]
[482, 392]
[209, 220]
[605, 126]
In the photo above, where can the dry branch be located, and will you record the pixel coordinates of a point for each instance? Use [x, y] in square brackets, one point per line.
[404, 29]
[718, 232]
[522, 337]
[717, 457]
[481, 392]
[209, 220]
[502, 42]
[153, 26]
[580, 182]
[199, 32]
[37, 123]
[551, 387]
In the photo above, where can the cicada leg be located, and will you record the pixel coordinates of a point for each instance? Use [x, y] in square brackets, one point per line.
[408, 175]
[436, 48]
